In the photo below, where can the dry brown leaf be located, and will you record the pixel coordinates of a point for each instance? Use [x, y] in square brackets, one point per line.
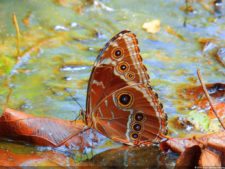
[178, 145]
[189, 158]
[209, 159]
[41, 131]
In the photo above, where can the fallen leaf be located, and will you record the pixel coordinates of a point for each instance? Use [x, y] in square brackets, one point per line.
[152, 26]
[223, 159]
[215, 140]
[220, 109]
[209, 159]
[49, 158]
[198, 102]
[189, 158]
[41, 131]
[197, 95]
[177, 145]
[207, 142]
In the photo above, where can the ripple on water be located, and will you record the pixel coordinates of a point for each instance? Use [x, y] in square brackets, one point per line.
[73, 68]
[155, 44]
[61, 28]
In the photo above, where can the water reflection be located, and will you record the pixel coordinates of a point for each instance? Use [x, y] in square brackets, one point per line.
[132, 157]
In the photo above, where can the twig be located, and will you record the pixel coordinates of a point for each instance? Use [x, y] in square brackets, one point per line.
[17, 35]
[209, 98]
[37, 45]
[7, 99]
[24, 54]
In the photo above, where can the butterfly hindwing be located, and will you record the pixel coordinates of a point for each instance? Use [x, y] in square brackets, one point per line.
[131, 114]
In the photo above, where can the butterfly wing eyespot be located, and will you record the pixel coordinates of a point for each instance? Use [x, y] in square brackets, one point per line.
[130, 75]
[123, 67]
[139, 117]
[137, 127]
[134, 135]
[125, 100]
[117, 53]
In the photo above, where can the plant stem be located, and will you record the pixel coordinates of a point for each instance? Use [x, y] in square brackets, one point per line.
[209, 98]
[18, 35]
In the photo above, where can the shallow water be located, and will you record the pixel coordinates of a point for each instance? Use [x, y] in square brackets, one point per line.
[62, 38]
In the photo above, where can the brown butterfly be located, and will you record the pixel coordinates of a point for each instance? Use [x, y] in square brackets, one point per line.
[120, 101]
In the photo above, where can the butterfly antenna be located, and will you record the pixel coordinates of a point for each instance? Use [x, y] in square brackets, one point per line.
[54, 92]
[75, 100]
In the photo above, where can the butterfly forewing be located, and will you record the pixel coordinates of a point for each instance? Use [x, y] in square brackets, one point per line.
[120, 64]
[120, 102]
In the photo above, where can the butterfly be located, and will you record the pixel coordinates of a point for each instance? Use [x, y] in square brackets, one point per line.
[120, 101]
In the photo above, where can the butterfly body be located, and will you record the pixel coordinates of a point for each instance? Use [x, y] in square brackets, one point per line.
[120, 102]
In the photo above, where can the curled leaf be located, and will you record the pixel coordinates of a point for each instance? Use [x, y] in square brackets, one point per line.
[177, 145]
[209, 159]
[188, 146]
[189, 158]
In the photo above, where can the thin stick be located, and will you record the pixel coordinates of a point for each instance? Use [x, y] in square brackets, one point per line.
[209, 98]
[36, 46]
[15, 23]
[7, 99]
